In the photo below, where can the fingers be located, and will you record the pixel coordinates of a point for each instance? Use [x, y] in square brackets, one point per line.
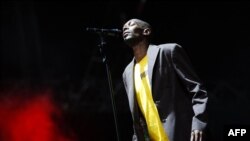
[196, 135]
[200, 135]
[192, 136]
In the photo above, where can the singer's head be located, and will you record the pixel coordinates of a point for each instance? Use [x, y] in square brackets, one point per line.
[135, 31]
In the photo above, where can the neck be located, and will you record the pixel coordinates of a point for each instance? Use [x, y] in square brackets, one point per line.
[140, 50]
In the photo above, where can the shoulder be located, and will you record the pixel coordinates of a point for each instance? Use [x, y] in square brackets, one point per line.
[168, 48]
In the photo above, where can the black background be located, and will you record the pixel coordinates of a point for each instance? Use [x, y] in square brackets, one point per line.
[44, 43]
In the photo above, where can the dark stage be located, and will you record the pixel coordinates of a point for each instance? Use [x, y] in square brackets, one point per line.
[53, 84]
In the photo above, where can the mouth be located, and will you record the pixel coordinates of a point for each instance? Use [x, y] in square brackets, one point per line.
[125, 34]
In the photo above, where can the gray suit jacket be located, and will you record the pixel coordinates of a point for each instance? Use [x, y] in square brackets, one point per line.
[177, 92]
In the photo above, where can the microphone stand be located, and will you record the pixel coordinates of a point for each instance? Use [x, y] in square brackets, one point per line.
[101, 45]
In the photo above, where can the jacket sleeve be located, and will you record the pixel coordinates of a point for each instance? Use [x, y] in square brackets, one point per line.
[193, 85]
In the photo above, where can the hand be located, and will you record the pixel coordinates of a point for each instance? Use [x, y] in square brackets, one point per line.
[196, 135]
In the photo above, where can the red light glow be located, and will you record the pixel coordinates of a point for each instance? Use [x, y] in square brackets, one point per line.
[30, 119]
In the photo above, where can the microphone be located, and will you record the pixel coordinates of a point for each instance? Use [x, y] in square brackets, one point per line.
[108, 32]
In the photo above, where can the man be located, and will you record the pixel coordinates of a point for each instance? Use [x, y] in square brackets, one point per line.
[166, 98]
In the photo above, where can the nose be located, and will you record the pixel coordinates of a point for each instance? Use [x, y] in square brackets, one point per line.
[125, 28]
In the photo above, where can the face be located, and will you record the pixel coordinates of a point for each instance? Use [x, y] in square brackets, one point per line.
[132, 31]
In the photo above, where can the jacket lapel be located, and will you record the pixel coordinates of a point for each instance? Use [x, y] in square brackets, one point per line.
[130, 85]
[152, 55]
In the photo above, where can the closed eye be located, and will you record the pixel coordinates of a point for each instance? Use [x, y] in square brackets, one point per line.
[131, 23]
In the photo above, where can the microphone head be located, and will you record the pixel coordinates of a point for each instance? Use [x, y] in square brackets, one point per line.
[107, 32]
[117, 30]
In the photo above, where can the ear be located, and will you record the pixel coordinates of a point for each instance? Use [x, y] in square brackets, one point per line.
[146, 31]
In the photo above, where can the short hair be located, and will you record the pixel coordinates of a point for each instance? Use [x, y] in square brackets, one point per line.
[144, 25]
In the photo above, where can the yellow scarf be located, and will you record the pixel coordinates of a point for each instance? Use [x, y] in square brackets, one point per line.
[146, 103]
